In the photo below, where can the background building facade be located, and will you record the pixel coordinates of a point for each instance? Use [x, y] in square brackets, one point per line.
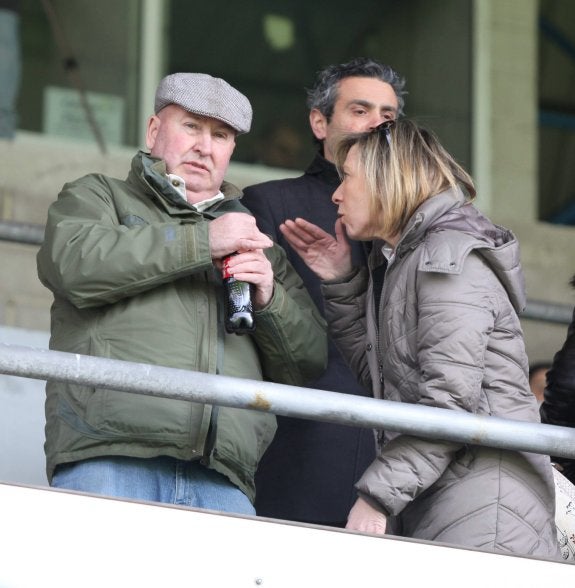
[493, 78]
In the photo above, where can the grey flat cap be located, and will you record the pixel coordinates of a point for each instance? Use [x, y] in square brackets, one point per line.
[202, 94]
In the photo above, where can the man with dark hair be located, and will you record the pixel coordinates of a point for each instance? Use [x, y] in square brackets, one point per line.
[309, 470]
[135, 267]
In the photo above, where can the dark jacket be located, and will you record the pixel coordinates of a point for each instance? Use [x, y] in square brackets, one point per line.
[558, 407]
[130, 267]
[309, 470]
[448, 336]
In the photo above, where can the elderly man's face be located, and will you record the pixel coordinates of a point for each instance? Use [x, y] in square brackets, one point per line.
[196, 148]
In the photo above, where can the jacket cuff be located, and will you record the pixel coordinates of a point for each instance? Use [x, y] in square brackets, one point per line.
[351, 285]
[275, 303]
[197, 244]
[373, 503]
[343, 279]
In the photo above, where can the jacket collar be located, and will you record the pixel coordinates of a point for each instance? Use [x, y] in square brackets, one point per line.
[152, 171]
[324, 170]
[468, 230]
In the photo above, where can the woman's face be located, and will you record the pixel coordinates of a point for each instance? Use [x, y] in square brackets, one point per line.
[352, 200]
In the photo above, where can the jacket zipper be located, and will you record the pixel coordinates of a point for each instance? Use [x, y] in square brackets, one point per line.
[213, 426]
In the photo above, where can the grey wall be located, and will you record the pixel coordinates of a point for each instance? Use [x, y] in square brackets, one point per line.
[22, 417]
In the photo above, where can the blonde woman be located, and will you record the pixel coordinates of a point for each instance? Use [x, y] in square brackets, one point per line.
[440, 330]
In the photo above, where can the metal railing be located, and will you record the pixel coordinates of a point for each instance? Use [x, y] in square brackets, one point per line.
[549, 312]
[152, 380]
[27, 233]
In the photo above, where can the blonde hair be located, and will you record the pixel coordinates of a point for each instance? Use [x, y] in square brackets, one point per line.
[404, 165]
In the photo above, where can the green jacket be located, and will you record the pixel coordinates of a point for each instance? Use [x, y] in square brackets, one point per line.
[129, 264]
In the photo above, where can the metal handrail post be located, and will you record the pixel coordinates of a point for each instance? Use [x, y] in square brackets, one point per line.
[152, 380]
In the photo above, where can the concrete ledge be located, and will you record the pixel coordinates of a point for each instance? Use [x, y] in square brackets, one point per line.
[108, 542]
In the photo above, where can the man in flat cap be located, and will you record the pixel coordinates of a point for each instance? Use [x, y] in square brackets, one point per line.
[135, 269]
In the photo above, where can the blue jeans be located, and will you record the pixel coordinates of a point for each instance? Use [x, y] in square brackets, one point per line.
[160, 479]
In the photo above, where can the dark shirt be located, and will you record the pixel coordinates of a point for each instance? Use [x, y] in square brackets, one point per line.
[558, 406]
[308, 472]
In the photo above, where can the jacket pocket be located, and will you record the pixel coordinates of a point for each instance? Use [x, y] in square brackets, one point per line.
[243, 436]
[115, 413]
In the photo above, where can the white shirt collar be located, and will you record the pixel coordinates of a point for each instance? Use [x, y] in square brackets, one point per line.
[180, 187]
[387, 251]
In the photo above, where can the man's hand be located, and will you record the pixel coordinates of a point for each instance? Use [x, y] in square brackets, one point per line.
[329, 258]
[235, 231]
[363, 517]
[253, 267]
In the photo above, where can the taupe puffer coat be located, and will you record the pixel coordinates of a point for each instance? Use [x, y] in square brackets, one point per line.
[448, 335]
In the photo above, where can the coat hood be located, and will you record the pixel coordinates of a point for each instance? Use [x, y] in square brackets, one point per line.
[471, 230]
